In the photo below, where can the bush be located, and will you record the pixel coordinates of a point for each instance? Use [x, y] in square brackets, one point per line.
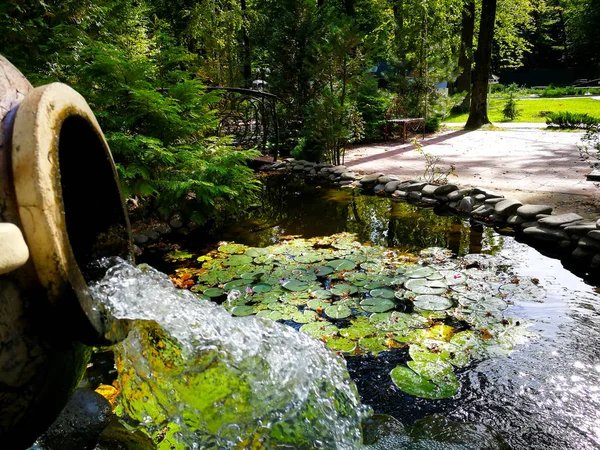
[566, 120]
[432, 124]
[551, 91]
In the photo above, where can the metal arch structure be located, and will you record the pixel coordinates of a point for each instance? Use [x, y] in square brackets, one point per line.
[250, 116]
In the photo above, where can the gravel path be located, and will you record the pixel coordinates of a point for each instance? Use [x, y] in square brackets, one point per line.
[532, 165]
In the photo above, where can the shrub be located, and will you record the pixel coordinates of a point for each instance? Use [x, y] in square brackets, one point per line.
[510, 110]
[551, 91]
[432, 124]
[566, 119]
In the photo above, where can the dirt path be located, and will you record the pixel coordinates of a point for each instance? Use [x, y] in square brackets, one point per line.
[532, 165]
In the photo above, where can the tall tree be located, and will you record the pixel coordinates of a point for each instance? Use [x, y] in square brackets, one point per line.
[465, 58]
[483, 63]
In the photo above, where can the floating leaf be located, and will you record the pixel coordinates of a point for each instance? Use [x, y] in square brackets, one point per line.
[317, 303]
[254, 252]
[360, 327]
[262, 288]
[273, 315]
[432, 302]
[322, 271]
[432, 381]
[453, 278]
[253, 276]
[231, 248]
[235, 284]
[322, 293]
[341, 344]
[418, 272]
[178, 255]
[295, 285]
[342, 264]
[483, 303]
[377, 304]
[238, 260]
[214, 292]
[344, 289]
[319, 330]
[242, 310]
[304, 316]
[423, 286]
[374, 345]
[338, 311]
[385, 293]
[309, 258]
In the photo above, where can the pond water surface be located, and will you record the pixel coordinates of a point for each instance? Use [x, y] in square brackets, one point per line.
[545, 395]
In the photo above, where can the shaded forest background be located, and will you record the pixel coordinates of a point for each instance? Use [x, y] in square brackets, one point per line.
[337, 66]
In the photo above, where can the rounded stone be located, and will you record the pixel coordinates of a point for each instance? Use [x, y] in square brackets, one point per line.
[531, 211]
[557, 221]
[507, 207]
[140, 239]
[465, 205]
[13, 250]
[371, 178]
[387, 178]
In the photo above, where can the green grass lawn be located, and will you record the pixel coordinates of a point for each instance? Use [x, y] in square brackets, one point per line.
[530, 109]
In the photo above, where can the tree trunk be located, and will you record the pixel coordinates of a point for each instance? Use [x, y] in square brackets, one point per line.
[247, 50]
[465, 59]
[483, 61]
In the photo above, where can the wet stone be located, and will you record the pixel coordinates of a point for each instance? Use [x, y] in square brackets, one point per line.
[594, 234]
[312, 172]
[546, 234]
[345, 182]
[153, 235]
[497, 218]
[598, 224]
[80, 423]
[480, 198]
[413, 187]
[456, 196]
[400, 194]
[349, 176]
[515, 220]
[162, 228]
[484, 211]
[384, 179]
[414, 195]
[595, 261]
[492, 201]
[465, 205]
[298, 168]
[429, 190]
[589, 243]
[582, 253]
[391, 186]
[445, 189]
[580, 228]
[429, 201]
[557, 221]
[379, 189]
[565, 245]
[371, 178]
[531, 211]
[140, 239]
[507, 207]
[529, 224]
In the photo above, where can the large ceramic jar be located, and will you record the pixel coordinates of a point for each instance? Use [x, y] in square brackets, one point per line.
[60, 209]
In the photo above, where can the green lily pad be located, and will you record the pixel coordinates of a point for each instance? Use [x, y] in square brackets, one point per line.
[453, 278]
[424, 286]
[273, 315]
[483, 303]
[178, 255]
[317, 303]
[238, 260]
[295, 285]
[377, 304]
[253, 276]
[338, 311]
[262, 288]
[344, 289]
[384, 293]
[242, 310]
[322, 271]
[235, 284]
[231, 248]
[342, 264]
[254, 252]
[214, 292]
[319, 330]
[374, 345]
[432, 302]
[309, 258]
[341, 344]
[322, 293]
[361, 327]
[426, 380]
[304, 316]
[418, 272]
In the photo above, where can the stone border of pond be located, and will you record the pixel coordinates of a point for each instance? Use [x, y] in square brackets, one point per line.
[568, 233]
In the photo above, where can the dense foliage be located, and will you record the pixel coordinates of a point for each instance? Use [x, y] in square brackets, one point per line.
[336, 66]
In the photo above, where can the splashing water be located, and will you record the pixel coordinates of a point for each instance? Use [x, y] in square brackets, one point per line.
[193, 376]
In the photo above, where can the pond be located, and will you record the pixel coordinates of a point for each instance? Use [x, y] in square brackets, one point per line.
[532, 377]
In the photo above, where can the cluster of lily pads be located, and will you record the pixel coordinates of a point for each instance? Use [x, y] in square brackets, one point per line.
[362, 299]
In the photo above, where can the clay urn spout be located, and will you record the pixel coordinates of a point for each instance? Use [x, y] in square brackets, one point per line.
[61, 209]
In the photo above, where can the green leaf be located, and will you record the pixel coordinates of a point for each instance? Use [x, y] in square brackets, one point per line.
[214, 292]
[338, 311]
[242, 310]
[231, 248]
[377, 304]
[426, 380]
[235, 284]
[344, 289]
[432, 302]
[322, 271]
[385, 293]
[319, 330]
[295, 285]
[342, 264]
[262, 288]
[418, 271]
[424, 286]
[304, 316]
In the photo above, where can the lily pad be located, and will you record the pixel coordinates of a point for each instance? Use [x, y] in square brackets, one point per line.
[338, 311]
[238, 260]
[418, 272]
[342, 264]
[295, 285]
[231, 248]
[322, 271]
[374, 345]
[273, 315]
[214, 292]
[242, 310]
[385, 293]
[427, 380]
[304, 316]
[483, 303]
[253, 252]
[319, 330]
[235, 284]
[344, 289]
[262, 288]
[253, 276]
[361, 327]
[377, 304]
[317, 303]
[322, 293]
[341, 344]
[432, 302]
[423, 286]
